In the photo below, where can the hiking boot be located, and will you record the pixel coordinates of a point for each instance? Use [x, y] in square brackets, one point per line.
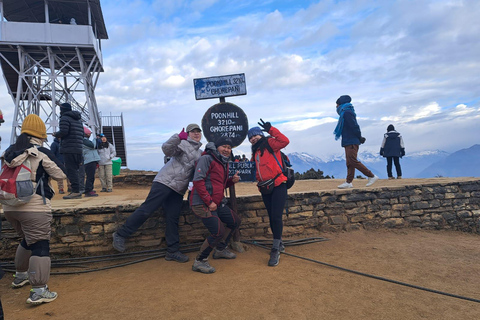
[372, 180]
[391, 178]
[202, 266]
[237, 246]
[118, 242]
[19, 282]
[399, 177]
[176, 256]
[103, 190]
[345, 185]
[274, 258]
[109, 190]
[73, 195]
[223, 254]
[41, 295]
[282, 247]
[91, 194]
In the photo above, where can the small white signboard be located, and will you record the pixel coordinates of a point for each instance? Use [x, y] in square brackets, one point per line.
[221, 86]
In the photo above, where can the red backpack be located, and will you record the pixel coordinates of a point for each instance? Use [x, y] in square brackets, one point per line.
[16, 186]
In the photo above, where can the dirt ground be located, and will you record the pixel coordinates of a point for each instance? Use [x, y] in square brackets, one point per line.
[246, 288]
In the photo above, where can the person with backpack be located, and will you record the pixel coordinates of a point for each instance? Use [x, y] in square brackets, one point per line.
[32, 219]
[208, 202]
[168, 188]
[107, 152]
[348, 128]
[71, 146]
[393, 149]
[266, 154]
[55, 148]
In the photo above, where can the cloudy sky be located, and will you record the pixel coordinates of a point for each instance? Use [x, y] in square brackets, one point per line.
[414, 64]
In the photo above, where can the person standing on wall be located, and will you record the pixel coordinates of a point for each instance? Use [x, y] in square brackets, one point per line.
[55, 148]
[264, 152]
[348, 128]
[71, 146]
[167, 191]
[208, 202]
[32, 220]
[90, 162]
[393, 149]
[107, 152]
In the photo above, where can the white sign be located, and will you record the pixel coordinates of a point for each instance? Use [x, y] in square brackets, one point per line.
[221, 86]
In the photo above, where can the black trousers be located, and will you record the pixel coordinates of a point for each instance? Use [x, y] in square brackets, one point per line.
[160, 196]
[275, 204]
[396, 161]
[72, 164]
[89, 172]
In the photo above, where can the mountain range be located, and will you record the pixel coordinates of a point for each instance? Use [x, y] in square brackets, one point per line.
[426, 164]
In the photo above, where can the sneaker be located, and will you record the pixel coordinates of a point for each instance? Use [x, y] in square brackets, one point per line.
[91, 194]
[345, 185]
[41, 295]
[391, 178]
[399, 177]
[103, 190]
[202, 266]
[372, 180]
[237, 246]
[118, 242]
[73, 195]
[223, 254]
[274, 258]
[109, 190]
[176, 256]
[19, 282]
[61, 191]
[282, 247]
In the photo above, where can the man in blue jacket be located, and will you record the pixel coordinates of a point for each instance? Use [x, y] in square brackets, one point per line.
[349, 130]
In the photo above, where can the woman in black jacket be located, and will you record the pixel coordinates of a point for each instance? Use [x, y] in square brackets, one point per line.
[393, 149]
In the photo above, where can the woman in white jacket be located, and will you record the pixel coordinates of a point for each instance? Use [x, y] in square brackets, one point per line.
[107, 152]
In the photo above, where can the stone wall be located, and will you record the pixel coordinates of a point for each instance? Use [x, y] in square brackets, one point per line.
[451, 206]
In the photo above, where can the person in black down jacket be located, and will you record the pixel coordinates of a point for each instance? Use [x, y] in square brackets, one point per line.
[393, 149]
[71, 146]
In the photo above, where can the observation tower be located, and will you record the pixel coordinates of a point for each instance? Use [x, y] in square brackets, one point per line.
[50, 53]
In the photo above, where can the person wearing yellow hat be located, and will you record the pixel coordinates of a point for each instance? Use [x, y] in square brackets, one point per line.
[32, 220]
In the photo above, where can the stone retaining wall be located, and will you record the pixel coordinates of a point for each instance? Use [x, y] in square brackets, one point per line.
[450, 206]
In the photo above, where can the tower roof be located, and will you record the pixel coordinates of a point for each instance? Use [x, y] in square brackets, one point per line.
[59, 10]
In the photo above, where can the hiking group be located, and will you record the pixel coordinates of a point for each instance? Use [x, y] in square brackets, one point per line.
[207, 171]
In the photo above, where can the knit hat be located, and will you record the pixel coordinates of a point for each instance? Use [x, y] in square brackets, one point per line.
[390, 128]
[86, 130]
[65, 107]
[344, 99]
[254, 132]
[193, 126]
[34, 126]
[223, 141]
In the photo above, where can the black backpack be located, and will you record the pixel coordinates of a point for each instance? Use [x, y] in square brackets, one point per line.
[287, 169]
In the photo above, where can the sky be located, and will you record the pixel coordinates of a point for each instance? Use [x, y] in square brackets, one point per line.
[413, 64]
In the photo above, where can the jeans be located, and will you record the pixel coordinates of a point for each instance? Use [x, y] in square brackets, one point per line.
[275, 203]
[160, 196]
[72, 165]
[396, 161]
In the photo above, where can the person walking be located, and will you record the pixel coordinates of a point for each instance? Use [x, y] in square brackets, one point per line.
[32, 220]
[107, 152]
[393, 149]
[71, 146]
[208, 202]
[55, 148]
[265, 153]
[348, 128]
[168, 188]
[90, 162]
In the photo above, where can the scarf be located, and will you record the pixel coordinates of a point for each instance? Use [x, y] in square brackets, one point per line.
[341, 111]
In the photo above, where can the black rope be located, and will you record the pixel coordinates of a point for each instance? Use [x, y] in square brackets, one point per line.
[257, 243]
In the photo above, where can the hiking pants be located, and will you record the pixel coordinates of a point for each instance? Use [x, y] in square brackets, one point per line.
[106, 177]
[275, 204]
[396, 161]
[351, 152]
[160, 196]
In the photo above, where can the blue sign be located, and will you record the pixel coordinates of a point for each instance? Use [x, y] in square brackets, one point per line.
[221, 86]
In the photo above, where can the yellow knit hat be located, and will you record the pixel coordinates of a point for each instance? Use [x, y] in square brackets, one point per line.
[34, 126]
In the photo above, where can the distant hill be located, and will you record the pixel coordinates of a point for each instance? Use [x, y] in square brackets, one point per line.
[462, 163]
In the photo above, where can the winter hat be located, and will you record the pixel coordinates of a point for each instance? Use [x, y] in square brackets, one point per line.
[193, 126]
[390, 128]
[34, 126]
[65, 107]
[223, 141]
[86, 130]
[254, 132]
[344, 99]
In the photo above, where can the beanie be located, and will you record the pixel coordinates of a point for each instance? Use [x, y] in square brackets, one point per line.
[254, 132]
[34, 126]
[344, 99]
[86, 130]
[390, 128]
[65, 107]
[223, 141]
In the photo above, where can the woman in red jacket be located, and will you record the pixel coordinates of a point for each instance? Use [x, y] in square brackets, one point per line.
[267, 167]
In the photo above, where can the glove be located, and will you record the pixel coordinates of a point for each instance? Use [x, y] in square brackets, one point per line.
[362, 140]
[183, 135]
[402, 152]
[381, 151]
[265, 125]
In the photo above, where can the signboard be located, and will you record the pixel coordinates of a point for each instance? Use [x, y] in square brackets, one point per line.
[221, 86]
[246, 170]
[225, 119]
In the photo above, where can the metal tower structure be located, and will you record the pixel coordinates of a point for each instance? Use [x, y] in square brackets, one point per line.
[50, 53]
